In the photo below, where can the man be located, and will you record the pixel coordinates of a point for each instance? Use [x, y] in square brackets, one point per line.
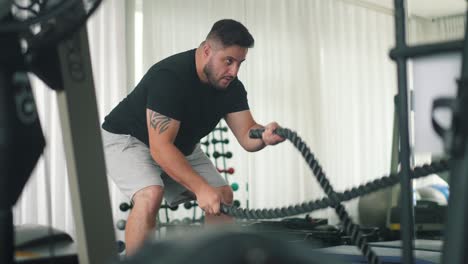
[151, 139]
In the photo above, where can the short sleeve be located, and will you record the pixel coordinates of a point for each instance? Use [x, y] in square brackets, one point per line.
[237, 99]
[165, 93]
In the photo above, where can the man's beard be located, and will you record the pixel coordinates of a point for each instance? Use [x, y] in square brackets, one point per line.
[208, 70]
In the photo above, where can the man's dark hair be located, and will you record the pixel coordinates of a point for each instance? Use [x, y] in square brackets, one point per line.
[230, 32]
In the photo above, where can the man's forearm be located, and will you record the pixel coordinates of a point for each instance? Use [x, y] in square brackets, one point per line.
[253, 144]
[173, 162]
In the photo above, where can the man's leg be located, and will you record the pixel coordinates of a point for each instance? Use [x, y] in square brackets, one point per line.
[130, 165]
[142, 218]
[227, 198]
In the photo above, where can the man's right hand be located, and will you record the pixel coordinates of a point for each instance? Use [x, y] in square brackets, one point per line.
[209, 200]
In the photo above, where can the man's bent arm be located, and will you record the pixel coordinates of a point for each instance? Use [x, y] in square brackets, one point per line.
[240, 124]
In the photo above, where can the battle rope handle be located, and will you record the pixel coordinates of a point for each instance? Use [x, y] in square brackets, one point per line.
[350, 228]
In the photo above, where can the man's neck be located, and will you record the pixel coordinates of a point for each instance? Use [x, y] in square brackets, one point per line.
[199, 65]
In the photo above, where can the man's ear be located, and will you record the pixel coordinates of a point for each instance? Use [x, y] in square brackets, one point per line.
[206, 49]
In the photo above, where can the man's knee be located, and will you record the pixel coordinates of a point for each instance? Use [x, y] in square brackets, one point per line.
[149, 198]
[226, 193]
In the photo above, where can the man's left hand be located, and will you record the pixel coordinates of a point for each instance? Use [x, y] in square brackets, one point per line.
[270, 138]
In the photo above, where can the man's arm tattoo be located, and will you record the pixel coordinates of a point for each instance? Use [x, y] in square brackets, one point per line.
[159, 121]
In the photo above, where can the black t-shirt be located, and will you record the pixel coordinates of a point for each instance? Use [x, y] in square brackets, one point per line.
[172, 88]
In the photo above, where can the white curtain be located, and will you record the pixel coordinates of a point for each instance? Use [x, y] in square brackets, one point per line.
[319, 67]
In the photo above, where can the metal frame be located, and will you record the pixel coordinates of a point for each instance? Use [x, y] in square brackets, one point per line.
[455, 244]
[456, 236]
[21, 138]
[6, 214]
[84, 153]
[406, 187]
[66, 68]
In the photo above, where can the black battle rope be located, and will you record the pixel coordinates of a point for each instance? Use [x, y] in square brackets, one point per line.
[361, 190]
[334, 199]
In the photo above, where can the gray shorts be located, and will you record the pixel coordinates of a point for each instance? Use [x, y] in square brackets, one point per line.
[130, 165]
